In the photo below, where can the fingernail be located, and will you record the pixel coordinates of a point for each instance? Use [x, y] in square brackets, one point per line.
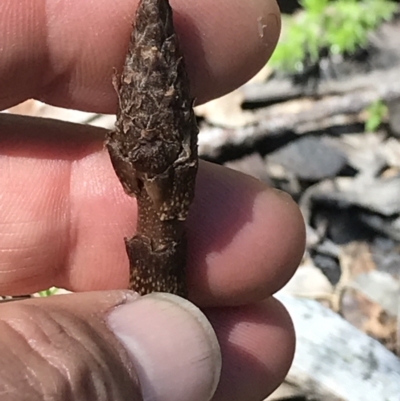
[172, 346]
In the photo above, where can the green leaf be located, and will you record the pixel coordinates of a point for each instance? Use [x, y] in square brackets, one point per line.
[376, 112]
[340, 26]
[48, 292]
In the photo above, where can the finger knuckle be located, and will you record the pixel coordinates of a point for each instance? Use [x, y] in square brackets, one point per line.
[55, 355]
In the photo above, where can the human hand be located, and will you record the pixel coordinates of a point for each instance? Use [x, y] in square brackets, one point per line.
[63, 215]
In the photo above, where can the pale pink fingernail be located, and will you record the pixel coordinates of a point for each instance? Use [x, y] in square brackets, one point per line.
[172, 346]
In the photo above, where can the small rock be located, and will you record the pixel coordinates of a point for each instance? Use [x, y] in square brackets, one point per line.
[310, 159]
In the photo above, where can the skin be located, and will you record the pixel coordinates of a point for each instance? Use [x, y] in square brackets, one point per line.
[63, 213]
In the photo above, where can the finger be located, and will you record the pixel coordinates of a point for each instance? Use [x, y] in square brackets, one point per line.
[256, 341]
[257, 345]
[109, 346]
[56, 349]
[64, 216]
[245, 239]
[64, 52]
[165, 347]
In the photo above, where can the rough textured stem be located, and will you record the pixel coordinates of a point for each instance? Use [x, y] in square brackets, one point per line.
[154, 149]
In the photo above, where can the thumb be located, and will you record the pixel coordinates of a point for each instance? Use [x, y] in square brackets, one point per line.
[108, 346]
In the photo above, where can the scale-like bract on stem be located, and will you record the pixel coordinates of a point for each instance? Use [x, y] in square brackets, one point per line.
[154, 149]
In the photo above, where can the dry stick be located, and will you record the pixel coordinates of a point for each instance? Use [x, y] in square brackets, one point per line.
[154, 149]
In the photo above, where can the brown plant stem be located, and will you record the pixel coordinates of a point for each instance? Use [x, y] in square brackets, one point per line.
[154, 149]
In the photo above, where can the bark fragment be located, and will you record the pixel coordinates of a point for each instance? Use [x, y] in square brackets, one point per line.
[154, 149]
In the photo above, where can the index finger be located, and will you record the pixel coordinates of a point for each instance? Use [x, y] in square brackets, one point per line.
[63, 52]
